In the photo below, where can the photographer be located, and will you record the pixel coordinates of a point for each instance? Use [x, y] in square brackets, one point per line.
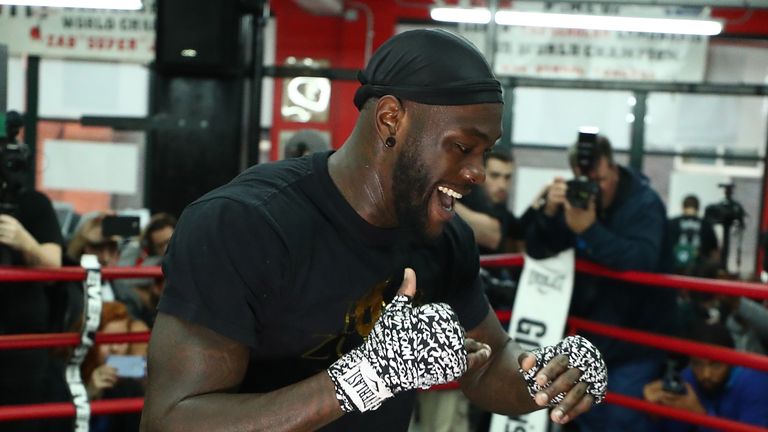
[612, 217]
[29, 237]
[713, 387]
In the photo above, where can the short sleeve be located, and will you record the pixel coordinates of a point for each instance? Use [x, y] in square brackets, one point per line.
[222, 269]
[37, 216]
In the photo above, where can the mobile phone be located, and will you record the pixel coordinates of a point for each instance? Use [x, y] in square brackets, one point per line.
[128, 366]
[122, 226]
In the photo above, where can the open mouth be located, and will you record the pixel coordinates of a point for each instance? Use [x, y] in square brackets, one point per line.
[447, 197]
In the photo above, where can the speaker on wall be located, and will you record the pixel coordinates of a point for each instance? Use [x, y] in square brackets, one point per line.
[198, 37]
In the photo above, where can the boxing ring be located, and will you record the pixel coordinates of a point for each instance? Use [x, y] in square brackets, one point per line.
[575, 324]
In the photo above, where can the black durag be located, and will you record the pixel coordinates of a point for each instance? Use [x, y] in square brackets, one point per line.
[432, 67]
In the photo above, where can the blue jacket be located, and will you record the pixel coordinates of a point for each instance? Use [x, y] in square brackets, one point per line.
[744, 399]
[630, 235]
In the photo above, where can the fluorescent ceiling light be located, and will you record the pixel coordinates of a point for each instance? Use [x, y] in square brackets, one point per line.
[585, 22]
[85, 4]
[614, 23]
[463, 15]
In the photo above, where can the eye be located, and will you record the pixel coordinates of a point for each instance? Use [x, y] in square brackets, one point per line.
[464, 149]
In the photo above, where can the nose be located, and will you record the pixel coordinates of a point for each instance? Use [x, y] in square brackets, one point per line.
[474, 173]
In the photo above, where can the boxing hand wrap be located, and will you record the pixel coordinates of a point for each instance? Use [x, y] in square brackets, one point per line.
[581, 355]
[408, 348]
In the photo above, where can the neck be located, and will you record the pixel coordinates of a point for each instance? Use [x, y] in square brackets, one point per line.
[361, 170]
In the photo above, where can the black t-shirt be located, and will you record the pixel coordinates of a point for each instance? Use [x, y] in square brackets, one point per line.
[693, 239]
[25, 307]
[279, 261]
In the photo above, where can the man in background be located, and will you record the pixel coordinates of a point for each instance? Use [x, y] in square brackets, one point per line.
[713, 387]
[612, 217]
[693, 238]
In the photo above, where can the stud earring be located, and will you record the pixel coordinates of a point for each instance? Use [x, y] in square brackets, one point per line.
[390, 141]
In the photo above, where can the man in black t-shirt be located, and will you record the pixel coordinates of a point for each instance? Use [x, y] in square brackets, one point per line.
[693, 239]
[29, 237]
[292, 299]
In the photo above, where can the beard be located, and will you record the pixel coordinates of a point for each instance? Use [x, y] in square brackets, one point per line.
[410, 184]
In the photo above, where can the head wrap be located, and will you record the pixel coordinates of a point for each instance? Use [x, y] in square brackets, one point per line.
[432, 67]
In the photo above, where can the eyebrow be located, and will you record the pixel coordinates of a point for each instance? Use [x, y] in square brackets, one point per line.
[477, 133]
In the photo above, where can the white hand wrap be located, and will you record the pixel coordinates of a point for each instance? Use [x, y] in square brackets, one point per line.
[408, 348]
[581, 355]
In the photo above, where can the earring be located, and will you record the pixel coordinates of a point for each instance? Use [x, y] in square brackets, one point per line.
[390, 141]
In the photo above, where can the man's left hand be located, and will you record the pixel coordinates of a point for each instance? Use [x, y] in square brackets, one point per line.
[570, 376]
[578, 219]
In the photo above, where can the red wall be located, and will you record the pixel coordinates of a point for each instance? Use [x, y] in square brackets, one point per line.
[342, 43]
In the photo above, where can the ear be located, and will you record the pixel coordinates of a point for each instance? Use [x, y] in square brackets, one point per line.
[389, 115]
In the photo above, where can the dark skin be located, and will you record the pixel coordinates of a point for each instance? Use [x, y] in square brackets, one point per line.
[192, 384]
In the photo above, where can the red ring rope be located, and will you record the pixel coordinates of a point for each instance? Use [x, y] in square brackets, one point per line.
[66, 409]
[718, 286]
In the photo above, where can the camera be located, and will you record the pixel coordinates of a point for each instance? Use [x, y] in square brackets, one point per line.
[14, 163]
[727, 211]
[582, 188]
[672, 382]
[121, 226]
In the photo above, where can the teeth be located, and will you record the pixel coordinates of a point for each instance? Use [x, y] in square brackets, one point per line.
[450, 192]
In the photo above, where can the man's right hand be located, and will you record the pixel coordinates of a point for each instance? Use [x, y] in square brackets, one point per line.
[408, 348]
[555, 196]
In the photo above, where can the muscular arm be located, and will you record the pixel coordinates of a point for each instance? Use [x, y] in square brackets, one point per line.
[497, 386]
[194, 372]
[487, 229]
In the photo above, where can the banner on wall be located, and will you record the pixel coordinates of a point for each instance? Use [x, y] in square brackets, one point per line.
[87, 34]
[603, 55]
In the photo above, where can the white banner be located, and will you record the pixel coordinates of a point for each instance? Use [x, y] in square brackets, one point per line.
[602, 55]
[538, 319]
[594, 54]
[89, 34]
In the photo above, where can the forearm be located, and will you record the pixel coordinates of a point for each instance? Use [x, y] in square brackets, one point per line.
[498, 386]
[487, 229]
[41, 255]
[306, 405]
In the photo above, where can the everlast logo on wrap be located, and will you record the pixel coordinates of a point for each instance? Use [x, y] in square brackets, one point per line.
[364, 386]
[547, 282]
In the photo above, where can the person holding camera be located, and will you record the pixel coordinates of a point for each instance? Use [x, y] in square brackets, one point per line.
[612, 217]
[29, 237]
[712, 387]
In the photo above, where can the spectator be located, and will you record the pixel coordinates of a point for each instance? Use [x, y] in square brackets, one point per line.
[104, 381]
[29, 237]
[485, 209]
[89, 239]
[623, 228]
[157, 234]
[693, 238]
[714, 388]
